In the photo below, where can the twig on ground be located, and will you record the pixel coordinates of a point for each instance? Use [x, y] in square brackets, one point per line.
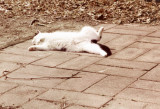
[40, 78]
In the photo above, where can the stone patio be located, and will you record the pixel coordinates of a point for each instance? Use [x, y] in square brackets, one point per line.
[128, 79]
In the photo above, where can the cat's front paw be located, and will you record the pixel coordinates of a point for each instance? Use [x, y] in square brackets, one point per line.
[32, 48]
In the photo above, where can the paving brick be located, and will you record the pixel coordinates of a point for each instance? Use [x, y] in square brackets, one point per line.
[75, 97]
[122, 41]
[140, 95]
[24, 79]
[144, 84]
[152, 106]
[137, 27]
[126, 31]
[129, 53]
[45, 71]
[8, 66]
[155, 34]
[39, 73]
[134, 73]
[150, 40]
[106, 37]
[106, 26]
[153, 74]
[79, 62]
[111, 85]
[25, 52]
[5, 86]
[24, 45]
[55, 59]
[124, 104]
[104, 76]
[19, 95]
[79, 107]
[157, 47]
[17, 58]
[38, 104]
[151, 56]
[79, 84]
[127, 64]
[144, 45]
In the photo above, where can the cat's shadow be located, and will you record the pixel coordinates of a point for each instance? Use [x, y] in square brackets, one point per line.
[106, 49]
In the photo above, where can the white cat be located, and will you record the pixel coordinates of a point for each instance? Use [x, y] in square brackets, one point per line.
[84, 40]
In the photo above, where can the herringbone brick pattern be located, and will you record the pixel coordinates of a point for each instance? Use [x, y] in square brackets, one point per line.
[128, 79]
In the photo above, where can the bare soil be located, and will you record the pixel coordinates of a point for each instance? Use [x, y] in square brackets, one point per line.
[21, 19]
[18, 29]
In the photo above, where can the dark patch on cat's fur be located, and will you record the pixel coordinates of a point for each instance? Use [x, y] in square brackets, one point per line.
[63, 49]
[94, 41]
[103, 47]
[106, 49]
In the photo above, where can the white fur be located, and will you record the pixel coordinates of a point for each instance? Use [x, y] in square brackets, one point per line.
[71, 41]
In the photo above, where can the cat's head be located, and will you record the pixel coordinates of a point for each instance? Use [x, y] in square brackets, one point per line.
[38, 38]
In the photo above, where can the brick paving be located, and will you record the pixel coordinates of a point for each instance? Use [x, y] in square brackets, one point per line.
[128, 79]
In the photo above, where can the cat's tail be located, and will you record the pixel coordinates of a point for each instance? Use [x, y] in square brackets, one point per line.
[100, 31]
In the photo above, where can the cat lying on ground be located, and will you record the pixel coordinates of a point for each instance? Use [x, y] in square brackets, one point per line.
[82, 41]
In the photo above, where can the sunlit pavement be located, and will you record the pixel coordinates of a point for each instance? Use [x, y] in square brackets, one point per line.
[128, 79]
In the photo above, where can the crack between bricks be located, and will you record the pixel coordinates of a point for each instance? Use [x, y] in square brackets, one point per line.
[148, 42]
[30, 99]
[151, 32]
[122, 67]
[94, 83]
[128, 86]
[124, 33]
[146, 51]
[143, 89]
[148, 71]
[128, 45]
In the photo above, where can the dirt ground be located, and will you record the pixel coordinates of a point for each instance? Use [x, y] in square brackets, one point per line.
[21, 19]
[18, 29]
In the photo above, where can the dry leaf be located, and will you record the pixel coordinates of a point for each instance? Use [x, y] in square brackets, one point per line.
[113, 11]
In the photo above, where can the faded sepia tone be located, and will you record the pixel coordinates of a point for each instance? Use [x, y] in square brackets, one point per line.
[128, 79]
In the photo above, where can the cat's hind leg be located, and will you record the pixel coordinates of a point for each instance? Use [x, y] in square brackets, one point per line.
[100, 31]
[93, 48]
[38, 48]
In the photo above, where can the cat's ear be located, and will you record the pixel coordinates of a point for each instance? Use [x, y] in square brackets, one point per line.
[100, 31]
[37, 32]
